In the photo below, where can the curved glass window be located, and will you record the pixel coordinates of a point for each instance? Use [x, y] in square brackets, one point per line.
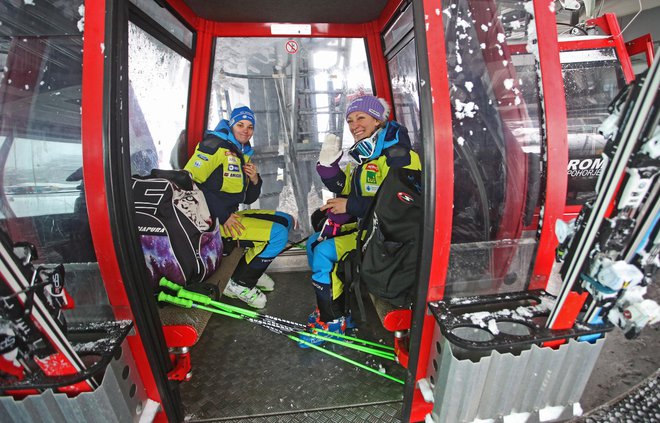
[158, 103]
[42, 197]
[495, 124]
[592, 78]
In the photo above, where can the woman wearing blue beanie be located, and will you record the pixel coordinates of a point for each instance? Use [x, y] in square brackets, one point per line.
[379, 145]
[222, 168]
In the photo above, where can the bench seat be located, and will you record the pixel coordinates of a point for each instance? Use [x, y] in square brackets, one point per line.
[183, 327]
[397, 320]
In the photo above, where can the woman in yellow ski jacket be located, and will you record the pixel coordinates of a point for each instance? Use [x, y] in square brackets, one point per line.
[222, 168]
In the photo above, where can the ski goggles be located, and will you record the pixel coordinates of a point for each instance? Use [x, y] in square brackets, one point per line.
[364, 149]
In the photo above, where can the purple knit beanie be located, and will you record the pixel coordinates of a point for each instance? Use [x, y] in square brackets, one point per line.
[375, 107]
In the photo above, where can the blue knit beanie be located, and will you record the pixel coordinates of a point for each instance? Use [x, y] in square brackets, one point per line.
[373, 106]
[241, 113]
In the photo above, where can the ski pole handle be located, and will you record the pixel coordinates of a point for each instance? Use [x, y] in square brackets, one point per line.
[194, 296]
[169, 284]
[181, 302]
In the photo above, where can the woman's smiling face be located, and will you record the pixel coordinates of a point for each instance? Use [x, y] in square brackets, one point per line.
[243, 130]
[362, 125]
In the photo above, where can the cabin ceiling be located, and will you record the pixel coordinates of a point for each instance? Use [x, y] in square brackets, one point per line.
[289, 11]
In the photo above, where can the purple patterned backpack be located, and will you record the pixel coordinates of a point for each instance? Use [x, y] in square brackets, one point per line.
[179, 239]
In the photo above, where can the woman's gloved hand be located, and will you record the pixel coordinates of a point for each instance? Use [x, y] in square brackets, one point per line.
[331, 150]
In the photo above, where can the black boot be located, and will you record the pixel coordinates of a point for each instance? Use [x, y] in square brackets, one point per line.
[329, 309]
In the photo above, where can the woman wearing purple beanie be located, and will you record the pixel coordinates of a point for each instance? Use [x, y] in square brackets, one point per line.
[379, 145]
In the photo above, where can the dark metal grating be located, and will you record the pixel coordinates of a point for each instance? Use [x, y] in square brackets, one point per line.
[243, 372]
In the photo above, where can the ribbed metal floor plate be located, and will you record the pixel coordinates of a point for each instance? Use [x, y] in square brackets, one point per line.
[243, 372]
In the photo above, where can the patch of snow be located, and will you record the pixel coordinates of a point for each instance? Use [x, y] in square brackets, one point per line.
[550, 413]
[464, 110]
[516, 418]
[426, 389]
[462, 23]
[149, 411]
[492, 327]
[577, 409]
[81, 22]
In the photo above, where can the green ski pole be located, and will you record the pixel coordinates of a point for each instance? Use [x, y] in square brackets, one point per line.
[205, 300]
[272, 326]
[348, 360]
[280, 329]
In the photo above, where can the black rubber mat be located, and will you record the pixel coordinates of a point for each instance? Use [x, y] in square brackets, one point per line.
[243, 372]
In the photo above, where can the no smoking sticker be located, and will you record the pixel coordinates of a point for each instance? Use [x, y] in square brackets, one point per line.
[291, 46]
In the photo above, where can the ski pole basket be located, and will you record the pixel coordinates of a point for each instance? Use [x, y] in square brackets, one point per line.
[494, 350]
[95, 343]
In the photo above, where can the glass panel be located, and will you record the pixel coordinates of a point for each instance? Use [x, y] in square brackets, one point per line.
[496, 146]
[402, 26]
[403, 78]
[167, 20]
[592, 78]
[40, 154]
[42, 200]
[297, 98]
[158, 103]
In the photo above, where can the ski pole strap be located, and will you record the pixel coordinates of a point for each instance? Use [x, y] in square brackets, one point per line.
[346, 359]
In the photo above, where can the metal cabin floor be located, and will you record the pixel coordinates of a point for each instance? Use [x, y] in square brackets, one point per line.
[242, 372]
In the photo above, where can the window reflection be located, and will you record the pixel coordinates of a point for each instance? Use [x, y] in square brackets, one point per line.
[41, 196]
[158, 100]
[496, 146]
[592, 78]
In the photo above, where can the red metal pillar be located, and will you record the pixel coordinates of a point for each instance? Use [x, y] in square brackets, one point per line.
[199, 85]
[556, 148]
[94, 134]
[439, 159]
